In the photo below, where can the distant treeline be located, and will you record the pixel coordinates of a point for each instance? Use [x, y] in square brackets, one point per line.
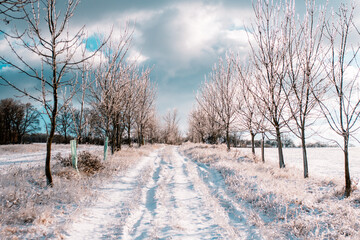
[17, 120]
[287, 142]
[20, 123]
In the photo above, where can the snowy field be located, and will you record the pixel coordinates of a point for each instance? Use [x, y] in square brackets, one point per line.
[171, 192]
[322, 161]
[280, 203]
[34, 154]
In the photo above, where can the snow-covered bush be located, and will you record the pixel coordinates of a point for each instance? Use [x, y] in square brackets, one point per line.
[87, 163]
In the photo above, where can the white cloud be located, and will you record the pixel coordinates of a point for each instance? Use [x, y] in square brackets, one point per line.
[136, 56]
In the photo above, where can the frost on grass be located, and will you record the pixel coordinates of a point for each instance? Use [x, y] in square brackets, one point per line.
[281, 202]
[31, 210]
[87, 163]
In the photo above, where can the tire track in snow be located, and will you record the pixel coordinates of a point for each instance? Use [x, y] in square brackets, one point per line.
[228, 208]
[171, 208]
[178, 204]
[166, 196]
[105, 219]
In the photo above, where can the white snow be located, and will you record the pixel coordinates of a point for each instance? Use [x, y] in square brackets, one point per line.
[165, 196]
[169, 196]
[321, 161]
[34, 154]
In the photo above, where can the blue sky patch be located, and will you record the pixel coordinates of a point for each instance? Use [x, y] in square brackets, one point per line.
[92, 43]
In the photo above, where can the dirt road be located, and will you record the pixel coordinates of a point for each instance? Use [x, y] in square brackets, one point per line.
[165, 196]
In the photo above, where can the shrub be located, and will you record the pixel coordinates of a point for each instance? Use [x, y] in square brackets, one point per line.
[87, 162]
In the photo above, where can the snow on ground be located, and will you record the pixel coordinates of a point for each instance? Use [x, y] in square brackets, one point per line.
[34, 154]
[280, 202]
[165, 196]
[205, 192]
[31, 210]
[322, 161]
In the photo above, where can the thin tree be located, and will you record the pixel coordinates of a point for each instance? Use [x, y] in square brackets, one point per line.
[342, 109]
[29, 123]
[107, 88]
[247, 104]
[268, 53]
[305, 71]
[197, 125]
[64, 122]
[79, 119]
[206, 114]
[171, 132]
[47, 38]
[131, 94]
[219, 95]
[145, 104]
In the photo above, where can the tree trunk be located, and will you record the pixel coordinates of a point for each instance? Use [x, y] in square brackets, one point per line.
[227, 139]
[252, 142]
[142, 135]
[120, 140]
[20, 137]
[48, 157]
[263, 147]
[113, 141]
[50, 139]
[139, 138]
[303, 145]
[280, 150]
[129, 135]
[347, 171]
[53, 118]
[121, 131]
[117, 136]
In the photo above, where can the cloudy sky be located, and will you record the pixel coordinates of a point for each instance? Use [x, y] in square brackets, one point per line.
[179, 39]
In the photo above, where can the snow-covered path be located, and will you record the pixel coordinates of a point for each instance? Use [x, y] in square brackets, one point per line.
[166, 196]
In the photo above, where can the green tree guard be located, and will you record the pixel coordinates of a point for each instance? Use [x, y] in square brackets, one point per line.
[106, 147]
[73, 154]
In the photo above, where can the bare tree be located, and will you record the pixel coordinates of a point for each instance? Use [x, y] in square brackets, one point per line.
[268, 51]
[145, 104]
[171, 132]
[107, 90]
[197, 125]
[218, 95]
[131, 94]
[206, 115]
[64, 122]
[248, 108]
[47, 38]
[12, 9]
[304, 81]
[79, 117]
[16, 120]
[10, 116]
[153, 130]
[29, 123]
[342, 110]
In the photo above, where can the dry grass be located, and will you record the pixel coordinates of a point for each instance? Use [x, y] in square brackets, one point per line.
[281, 203]
[31, 210]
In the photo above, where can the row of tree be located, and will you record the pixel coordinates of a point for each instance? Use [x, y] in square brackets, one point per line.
[297, 68]
[86, 92]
